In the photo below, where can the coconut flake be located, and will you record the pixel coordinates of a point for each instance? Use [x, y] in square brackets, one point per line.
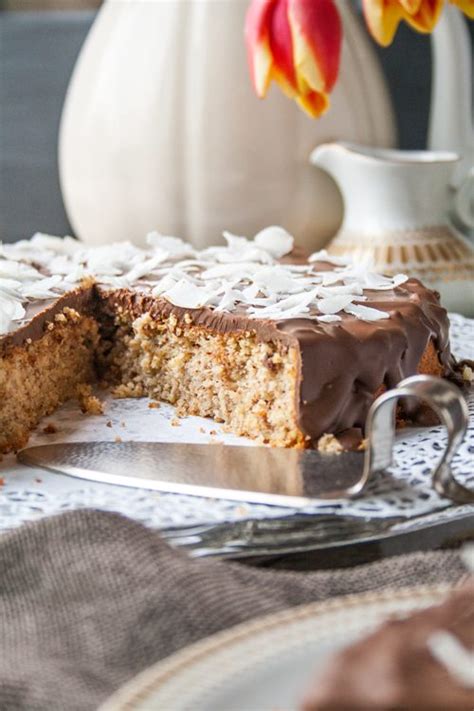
[146, 267]
[353, 289]
[18, 271]
[60, 264]
[114, 259]
[76, 275]
[277, 281]
[10, 288]
[228, 300]
[286, 308]
[42, 289]
[164, 284]
[459, 661]
[334, 304]
[239, 249]
[116, 282]
[399, 279]
[188, 295]
[330, 278]
[366, 313]
[323, 256]
[250, 293]
[238, 271]
[60, 245]
[329, 318]
[275, 240]
[174, 246]
[5, 317]
[379, 282]
[10, 310]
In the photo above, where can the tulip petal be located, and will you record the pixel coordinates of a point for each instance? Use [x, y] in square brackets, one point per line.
[317, 35]
[467, 6]
[314, 103]
[384, 16]
[411, 6]
[281, 44]
[427, 16]
[382, 19]
[257, 37]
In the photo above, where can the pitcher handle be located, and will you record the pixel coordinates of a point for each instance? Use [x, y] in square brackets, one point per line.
[463, 205]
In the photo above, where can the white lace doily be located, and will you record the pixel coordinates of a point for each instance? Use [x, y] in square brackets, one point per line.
[29, 494]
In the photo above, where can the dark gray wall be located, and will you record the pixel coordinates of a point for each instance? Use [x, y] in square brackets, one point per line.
[37, 54]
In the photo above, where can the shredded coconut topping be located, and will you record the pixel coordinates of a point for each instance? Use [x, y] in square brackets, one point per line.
[244, 274]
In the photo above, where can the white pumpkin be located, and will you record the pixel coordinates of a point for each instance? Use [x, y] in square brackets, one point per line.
[161, 128]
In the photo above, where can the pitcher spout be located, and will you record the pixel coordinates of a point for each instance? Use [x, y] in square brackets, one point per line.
[327, 157]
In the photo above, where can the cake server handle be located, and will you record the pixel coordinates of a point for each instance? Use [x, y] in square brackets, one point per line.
[448, 403]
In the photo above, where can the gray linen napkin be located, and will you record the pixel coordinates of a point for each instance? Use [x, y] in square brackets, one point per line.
[89, 599]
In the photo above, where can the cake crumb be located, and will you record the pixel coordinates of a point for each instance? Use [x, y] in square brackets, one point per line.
[213, 433]
[38, 480]
[123, 424]
[89, 403]
[108, 423]
[201, 429]
[364, 443]
[128, 390]
[153, 405]
[118, 439]
[175, 422]
[87, 282]
[241, 510]
[468, 374]
[329, 444]
[2, 481]
[50, 428]
[71, 314]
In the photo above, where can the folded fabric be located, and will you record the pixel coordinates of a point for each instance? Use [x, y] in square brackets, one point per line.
[88, 599]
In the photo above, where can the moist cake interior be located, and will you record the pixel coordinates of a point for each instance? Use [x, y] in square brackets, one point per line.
[278, 348]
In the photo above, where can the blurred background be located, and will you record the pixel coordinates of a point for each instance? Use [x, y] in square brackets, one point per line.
[39, 43]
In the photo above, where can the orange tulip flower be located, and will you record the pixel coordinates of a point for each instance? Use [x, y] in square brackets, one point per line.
[384, 16]
[297, 43]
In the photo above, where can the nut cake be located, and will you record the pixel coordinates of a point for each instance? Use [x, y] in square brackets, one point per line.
[278, 347]
[420, 662]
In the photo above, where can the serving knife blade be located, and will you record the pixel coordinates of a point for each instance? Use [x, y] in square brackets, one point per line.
[282, 477]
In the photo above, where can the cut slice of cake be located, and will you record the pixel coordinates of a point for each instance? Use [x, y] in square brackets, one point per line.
[421, 662]
[278, 348]
[43, 363]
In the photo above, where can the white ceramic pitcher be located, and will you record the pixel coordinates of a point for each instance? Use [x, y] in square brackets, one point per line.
[397, 209]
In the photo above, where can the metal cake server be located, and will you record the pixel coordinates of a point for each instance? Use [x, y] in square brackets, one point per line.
[282, 477]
